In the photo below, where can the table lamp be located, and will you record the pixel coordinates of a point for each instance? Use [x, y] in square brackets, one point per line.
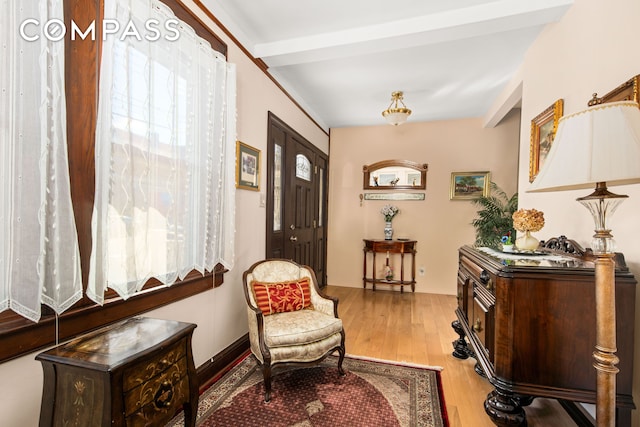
[598, 146]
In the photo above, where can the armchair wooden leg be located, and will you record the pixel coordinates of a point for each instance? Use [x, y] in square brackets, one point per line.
[266, 373]
[341, 351]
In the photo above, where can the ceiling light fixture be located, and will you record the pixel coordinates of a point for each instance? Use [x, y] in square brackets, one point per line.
[394, 114]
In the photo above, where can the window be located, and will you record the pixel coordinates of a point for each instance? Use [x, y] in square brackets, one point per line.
[303, 167]
[161, 168]
[277, 188]
[39, 254]
[20, 336]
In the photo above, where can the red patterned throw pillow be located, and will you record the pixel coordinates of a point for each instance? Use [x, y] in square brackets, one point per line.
[282, 297]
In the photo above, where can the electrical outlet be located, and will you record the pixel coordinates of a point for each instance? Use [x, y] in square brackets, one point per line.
[421, 271]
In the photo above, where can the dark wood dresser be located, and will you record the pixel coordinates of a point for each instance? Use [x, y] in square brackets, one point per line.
[531, 326]
[134, 373]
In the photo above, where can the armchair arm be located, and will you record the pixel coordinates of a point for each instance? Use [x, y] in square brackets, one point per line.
[255, 319]
[325, 304]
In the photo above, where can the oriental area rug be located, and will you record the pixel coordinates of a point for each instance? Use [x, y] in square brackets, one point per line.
[372, 393]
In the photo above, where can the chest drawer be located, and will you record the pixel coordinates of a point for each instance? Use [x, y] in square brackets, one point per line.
[158, 384]
[145, 370]
[156, 399]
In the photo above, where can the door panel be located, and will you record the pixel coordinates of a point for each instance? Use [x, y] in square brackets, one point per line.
[299, 212]
[296, 199]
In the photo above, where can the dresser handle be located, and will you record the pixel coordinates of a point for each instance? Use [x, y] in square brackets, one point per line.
[489, 285]
[164, 395]
[477, 325]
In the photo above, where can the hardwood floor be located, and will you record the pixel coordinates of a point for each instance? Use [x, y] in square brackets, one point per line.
[416, 328]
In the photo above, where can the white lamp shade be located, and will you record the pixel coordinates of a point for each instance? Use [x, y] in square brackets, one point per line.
[600, 144]
[396, 117]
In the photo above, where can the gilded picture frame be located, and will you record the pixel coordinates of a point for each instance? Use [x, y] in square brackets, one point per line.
[627, 91]
[543, 131]
[247, 167]
[469, 185]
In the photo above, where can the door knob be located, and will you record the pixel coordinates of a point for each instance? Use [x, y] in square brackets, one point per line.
[293, 239]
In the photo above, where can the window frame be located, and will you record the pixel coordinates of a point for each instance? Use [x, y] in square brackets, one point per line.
[82, 58]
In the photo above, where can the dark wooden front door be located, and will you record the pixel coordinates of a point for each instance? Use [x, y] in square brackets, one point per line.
[296, 199]
[299, 215]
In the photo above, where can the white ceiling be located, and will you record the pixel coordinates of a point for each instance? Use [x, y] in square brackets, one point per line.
[341, 59]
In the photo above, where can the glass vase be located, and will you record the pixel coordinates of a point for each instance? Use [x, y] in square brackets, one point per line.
[527, 242]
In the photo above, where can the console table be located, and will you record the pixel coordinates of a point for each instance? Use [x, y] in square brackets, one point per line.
[530, 322]
[134, 373]
[401, 247]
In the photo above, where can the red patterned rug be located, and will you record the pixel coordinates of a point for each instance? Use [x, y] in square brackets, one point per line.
[372, 393]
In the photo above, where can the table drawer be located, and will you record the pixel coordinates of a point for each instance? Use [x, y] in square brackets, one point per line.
[380, 246]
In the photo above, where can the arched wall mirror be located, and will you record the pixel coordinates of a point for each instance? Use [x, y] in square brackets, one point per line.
[395, 175]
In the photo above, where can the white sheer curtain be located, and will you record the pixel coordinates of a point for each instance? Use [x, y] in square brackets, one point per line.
[165, 195]
[39, 257]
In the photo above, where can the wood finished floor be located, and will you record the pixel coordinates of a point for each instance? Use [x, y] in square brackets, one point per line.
[416, 328]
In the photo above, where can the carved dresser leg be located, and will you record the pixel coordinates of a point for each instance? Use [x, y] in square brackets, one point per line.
[460, 348]
[505, 409]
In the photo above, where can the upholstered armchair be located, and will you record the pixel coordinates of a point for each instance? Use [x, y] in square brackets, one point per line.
[290, 320]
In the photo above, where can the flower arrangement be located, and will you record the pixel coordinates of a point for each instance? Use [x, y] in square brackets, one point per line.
[528, 220]
[388, 272]
[506, 239]
[389, 211]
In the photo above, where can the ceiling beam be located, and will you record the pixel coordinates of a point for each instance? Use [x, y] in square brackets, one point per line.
[450, 25]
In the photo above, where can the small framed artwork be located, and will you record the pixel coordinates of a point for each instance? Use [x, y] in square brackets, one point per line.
[247, 167]
[469, 185]
[543, 131]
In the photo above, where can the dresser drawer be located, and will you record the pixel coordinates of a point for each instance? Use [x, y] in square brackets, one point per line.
[160, 390]
[143, 371]
[155, 402]
[479, 322]
[483, 318]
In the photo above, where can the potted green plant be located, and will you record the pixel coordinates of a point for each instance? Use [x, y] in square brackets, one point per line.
[494, 218]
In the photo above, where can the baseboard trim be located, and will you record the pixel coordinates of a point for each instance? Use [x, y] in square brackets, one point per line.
[213, 368]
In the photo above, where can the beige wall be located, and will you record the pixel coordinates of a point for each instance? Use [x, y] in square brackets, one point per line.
[439, 225]
[589, 50]
[219, 313]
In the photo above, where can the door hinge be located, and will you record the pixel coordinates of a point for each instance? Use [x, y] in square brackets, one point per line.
[315, 169]
[315, 225]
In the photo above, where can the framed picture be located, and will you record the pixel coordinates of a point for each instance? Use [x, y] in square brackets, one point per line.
[627, 91]
[469, 185]
[247, 167]
[543, 131]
